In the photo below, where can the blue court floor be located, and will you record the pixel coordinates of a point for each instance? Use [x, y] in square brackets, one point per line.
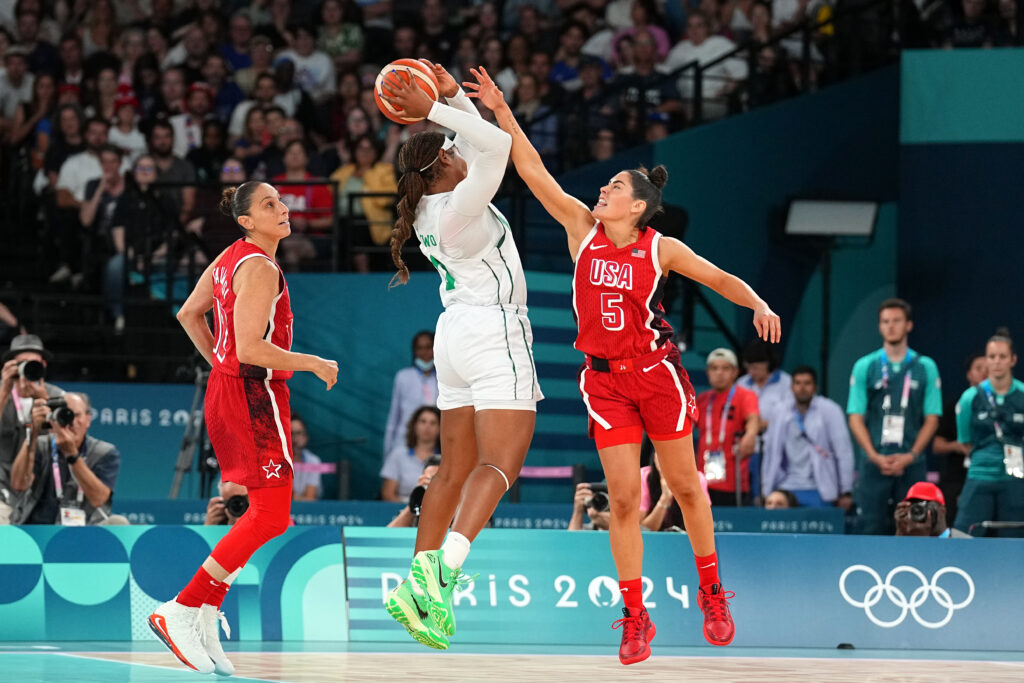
[117, 662]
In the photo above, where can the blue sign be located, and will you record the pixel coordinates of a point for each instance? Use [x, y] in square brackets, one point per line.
[557, 587]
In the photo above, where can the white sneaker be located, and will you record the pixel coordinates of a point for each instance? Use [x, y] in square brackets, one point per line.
[182, 629]
[211, 639]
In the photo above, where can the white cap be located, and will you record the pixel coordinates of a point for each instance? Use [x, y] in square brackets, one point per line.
[725, 354]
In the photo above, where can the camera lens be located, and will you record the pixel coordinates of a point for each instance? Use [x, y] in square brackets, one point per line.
[31, 370]
[919, 511]
[237, 505]
[63, 416]
[599, 502]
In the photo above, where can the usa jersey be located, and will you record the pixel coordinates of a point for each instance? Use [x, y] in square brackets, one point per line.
[616, 296]
[279, 317]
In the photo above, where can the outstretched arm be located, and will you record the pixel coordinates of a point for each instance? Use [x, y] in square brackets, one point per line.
[674, 255]
[573, 214]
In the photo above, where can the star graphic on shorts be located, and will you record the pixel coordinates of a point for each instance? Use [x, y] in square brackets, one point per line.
[272, 470]
[692, 404]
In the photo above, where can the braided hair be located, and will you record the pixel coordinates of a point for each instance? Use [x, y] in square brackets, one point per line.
[417, 153]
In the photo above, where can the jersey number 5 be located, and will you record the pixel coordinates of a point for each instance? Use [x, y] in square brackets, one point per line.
[612, 317]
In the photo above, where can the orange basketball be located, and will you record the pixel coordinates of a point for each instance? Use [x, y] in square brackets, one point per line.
[405, 69]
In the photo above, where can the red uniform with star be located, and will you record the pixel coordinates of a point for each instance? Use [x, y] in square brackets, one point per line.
[248, 417]
[617, 295]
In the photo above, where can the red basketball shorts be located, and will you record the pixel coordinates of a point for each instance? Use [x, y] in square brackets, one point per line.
[249, 423]
[656, 397]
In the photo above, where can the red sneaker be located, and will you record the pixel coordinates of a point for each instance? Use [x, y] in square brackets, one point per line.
[719, 628]
[637, 633]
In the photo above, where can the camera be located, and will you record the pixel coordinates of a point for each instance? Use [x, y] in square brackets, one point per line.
[31, 370]
[59, 411]
[416, 499]
[919, 511]
[236, 505]
[599, 501]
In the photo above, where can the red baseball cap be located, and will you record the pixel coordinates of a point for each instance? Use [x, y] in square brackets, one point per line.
[924, 490]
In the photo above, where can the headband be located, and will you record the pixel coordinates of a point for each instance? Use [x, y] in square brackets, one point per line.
[448, 144]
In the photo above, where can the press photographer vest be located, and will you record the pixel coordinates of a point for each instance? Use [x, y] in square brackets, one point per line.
[95, 450]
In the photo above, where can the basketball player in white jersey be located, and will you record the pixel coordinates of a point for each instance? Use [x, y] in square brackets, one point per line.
[487, 381]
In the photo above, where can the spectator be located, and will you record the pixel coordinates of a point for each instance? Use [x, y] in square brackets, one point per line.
[988, 422]
[602, 147]
[644, 90]
[102, 100]
[172, 91]
[583, 500]
[238, 49]
[413, 387]
[409, 515]
[42, 55]
[894, 407]
[264, 95]
[726, 412]
[249, 147]
[738, 17]
[314, 70]
[773, 386]
[587, 111]
[67, 140]
[68, 476]
[132, 45]
[71, 59]
[534, 27]
[177, 201]
[146, 82]
[1007, 30]
[98, 26]
[188, 126]
[566, 70]
[922, 512]
[772, 78]
[486, 25]
[17, 393]
[189, 53]
[404, 463]
[97, 215]
[306, 484]
[956, 456]
[262, 52]
[74, 176]
[340, 36]
[228, 506]
[550, 93]
[643, 15]
[227, 94]
[31, 127]
[15, 86]
[310, 208]
[215, 229]
[720, 80]
[807, 448]
[658, 508]
[125, 134]
[208, 158]
[159, 43]
[369, 171]
[781, 499]
[538, 120]
[971, 27]
[492, 58]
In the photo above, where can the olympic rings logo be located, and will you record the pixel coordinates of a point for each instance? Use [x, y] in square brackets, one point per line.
[917, 598]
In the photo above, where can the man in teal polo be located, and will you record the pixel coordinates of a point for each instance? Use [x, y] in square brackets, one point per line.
[894, 408]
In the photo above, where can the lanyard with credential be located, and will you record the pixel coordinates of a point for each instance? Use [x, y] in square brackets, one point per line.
[986, 386]
[723, 421]
[55, 461]
[905, 397]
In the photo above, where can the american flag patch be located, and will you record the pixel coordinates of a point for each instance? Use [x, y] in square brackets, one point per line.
[639, 253]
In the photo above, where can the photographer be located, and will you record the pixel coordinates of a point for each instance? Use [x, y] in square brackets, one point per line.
[592, 499]
[68, 477]
[229, 506]
[410, 514]
[21, 382]
[923, 513]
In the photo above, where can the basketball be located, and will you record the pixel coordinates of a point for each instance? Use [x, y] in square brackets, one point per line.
[405, 69]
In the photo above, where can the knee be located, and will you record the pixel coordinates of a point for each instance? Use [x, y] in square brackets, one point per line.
[273, 525]
[689, 493]
[624, 504]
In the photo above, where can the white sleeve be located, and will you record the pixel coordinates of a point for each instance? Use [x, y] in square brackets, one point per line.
[463, 103]
[485, 173]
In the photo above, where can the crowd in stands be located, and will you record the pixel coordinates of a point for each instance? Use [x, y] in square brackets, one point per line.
[113, 111]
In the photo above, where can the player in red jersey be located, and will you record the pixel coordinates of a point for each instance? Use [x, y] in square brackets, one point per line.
[632, 379]
[246, 408]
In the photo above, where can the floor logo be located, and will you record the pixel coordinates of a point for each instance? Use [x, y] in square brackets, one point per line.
[918, 597]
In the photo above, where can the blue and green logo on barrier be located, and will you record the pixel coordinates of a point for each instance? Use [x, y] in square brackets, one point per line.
[97, 583]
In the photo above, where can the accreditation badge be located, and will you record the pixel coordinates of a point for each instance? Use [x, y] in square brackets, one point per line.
[1013, 460]
[72, 517]
[714, 466]
[892, 430]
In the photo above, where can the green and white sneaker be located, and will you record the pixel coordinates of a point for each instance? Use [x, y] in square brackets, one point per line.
[413, 612]
[439, 583]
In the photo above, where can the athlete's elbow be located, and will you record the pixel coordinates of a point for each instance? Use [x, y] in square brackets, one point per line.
[246, 353]
[503, 141]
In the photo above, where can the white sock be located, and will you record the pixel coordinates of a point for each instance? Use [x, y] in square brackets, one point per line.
[415, 586]
[454, 549]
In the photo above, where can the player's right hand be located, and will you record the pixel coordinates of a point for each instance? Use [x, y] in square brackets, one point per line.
[446, 85]
[485, 89]
[327, 370]
[8, 375]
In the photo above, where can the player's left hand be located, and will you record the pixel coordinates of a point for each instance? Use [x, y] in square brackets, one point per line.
[407, 95]
[65, 439]
[446, 85]
[767, 324]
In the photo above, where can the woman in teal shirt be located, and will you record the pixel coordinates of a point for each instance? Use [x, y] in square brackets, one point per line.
[990, 420]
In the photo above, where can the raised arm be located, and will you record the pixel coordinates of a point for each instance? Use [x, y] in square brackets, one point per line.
[456, 99]
[570, 212]
[674, 255]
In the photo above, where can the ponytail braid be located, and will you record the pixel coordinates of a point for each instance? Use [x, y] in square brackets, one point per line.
[418, 152]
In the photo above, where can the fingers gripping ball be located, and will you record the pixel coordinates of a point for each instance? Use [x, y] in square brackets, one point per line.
[408, 70]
